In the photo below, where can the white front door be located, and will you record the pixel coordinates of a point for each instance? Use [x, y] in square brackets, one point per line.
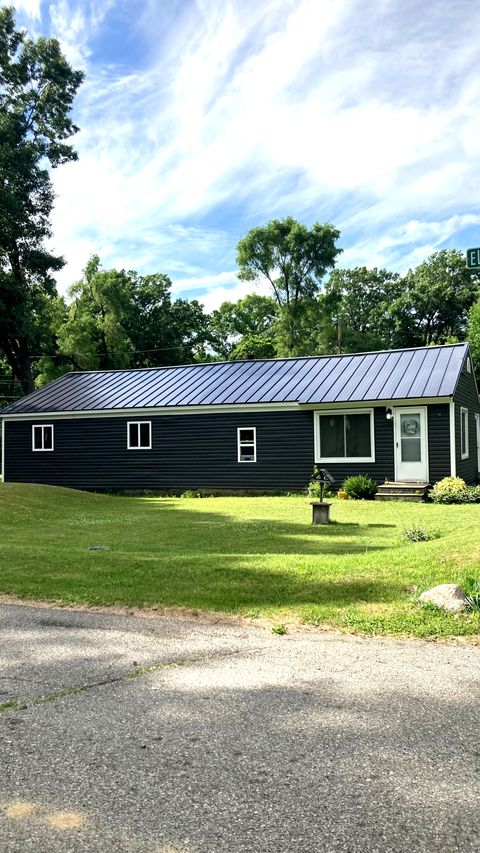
[411, 462]
[477, 424]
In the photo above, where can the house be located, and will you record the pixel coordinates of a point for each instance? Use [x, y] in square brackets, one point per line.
[400, 415]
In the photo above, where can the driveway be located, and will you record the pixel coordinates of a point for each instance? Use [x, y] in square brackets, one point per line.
[159, 734]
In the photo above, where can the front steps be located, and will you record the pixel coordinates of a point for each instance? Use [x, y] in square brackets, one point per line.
[412, 492]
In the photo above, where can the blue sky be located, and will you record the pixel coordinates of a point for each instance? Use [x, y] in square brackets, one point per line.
[202, 118]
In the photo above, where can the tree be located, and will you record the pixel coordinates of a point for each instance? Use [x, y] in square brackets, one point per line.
[293, 259]
[356, 310]
[437, 296]
[474, 335]
[37, 89]
[245, 326]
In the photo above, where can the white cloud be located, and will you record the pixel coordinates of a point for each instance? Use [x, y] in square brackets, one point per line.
[360, 112]
[31, 8]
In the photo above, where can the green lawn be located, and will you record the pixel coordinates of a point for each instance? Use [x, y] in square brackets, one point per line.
[251, 556]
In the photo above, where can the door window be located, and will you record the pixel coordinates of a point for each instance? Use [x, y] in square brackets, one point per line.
[410, 437]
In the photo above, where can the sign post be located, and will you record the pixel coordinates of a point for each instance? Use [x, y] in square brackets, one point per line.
[473, 259]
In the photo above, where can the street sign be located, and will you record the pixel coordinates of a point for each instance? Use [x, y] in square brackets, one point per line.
[473, 259]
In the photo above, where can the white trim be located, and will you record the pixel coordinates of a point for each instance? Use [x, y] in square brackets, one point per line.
[343, 459]
[453, 448]
[466, 455]
[139, 446]
[424, 444]
[43, 449]
[241, 444]
[205, 410]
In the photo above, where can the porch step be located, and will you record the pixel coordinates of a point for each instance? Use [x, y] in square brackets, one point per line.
[412, 492]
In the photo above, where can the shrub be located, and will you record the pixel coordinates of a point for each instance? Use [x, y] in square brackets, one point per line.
[191, 493]
[359, 486]
[450, 490]
[417, 534]
[472, 591]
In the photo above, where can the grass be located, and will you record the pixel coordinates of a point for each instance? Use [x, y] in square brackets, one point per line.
[252, 556]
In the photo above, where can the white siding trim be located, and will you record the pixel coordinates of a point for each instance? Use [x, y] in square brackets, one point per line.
[464, 411]
[3, 451]
[453, 449]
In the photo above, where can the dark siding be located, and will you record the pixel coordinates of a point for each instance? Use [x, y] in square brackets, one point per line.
[439, 441]
[466, 395]
[383, 467]
[200, 451]
[189, 451]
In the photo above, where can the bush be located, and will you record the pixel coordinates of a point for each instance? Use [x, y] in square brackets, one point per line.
[450, 490]
[360, 486]
[472, 591]
[191, 493]
[417, 534]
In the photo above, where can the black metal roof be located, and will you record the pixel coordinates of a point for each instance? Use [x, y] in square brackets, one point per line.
[372, 376]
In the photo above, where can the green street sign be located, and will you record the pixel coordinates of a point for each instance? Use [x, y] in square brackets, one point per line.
[473, 259]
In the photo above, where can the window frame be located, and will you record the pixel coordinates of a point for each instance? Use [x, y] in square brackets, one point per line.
[343, 459]
[464, 434]
[246, 444]
[139, 424]
[43, 449]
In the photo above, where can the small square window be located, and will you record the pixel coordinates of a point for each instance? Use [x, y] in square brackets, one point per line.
[139, 435]
[247, 444]
[42, 437]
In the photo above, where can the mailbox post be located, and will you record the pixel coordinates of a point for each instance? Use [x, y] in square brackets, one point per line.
[321, 508]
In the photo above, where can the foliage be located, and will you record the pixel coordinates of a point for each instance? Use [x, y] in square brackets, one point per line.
[37, 89]
[471, 586]
[294, 259]
[188, 494]
[360, 487]
[416, 533]
[245, 329]
[437, 297]
[238, 555]
[473, 334]
[450, 490]
[279, 629]
[356, 305]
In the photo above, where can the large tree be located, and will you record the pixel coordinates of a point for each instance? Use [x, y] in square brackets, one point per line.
[436, 298]
[356, 310]
[246, 328]
[37, 89]
[293, 259]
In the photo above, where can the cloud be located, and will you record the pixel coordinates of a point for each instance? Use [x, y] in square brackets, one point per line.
[31, 8]
[202, 119]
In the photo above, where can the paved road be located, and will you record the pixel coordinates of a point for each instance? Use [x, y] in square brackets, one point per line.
[182, 736]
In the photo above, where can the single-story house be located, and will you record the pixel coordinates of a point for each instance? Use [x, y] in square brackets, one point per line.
[409, 415]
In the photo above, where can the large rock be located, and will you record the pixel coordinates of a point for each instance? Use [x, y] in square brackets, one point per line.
[448, 596]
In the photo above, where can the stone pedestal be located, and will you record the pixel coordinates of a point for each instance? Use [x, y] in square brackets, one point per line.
[320, 512]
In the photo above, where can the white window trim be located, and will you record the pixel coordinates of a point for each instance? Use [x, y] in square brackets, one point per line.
[139, 423]
[464, 411]
[342, 459]
[241, 444]
[42, 449]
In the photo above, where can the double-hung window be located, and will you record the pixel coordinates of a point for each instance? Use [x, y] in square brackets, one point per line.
[344, 436]
[42, 437]
[465, 450]
[139, 435]
[247, 444]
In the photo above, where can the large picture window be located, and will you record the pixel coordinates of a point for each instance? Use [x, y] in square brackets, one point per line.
[42, 437]
[139, 435]
[464, 433]
[344, 436]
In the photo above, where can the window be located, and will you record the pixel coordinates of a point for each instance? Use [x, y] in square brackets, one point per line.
[42, 437]
[464, 433]
[139, 435]
[469, 366]
[344, 436]
[247, 444]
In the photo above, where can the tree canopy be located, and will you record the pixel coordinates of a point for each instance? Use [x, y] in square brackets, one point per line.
[37, 89]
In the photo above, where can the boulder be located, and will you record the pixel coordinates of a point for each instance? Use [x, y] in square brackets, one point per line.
[448, 596]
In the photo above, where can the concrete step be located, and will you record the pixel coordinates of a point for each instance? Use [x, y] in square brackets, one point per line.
[399, 496]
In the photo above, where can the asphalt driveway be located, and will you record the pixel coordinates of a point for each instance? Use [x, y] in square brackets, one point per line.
[122, 733]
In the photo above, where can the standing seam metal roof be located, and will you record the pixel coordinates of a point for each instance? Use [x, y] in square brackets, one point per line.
[354, 377]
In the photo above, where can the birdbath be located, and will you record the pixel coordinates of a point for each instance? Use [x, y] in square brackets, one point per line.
[321, 508]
